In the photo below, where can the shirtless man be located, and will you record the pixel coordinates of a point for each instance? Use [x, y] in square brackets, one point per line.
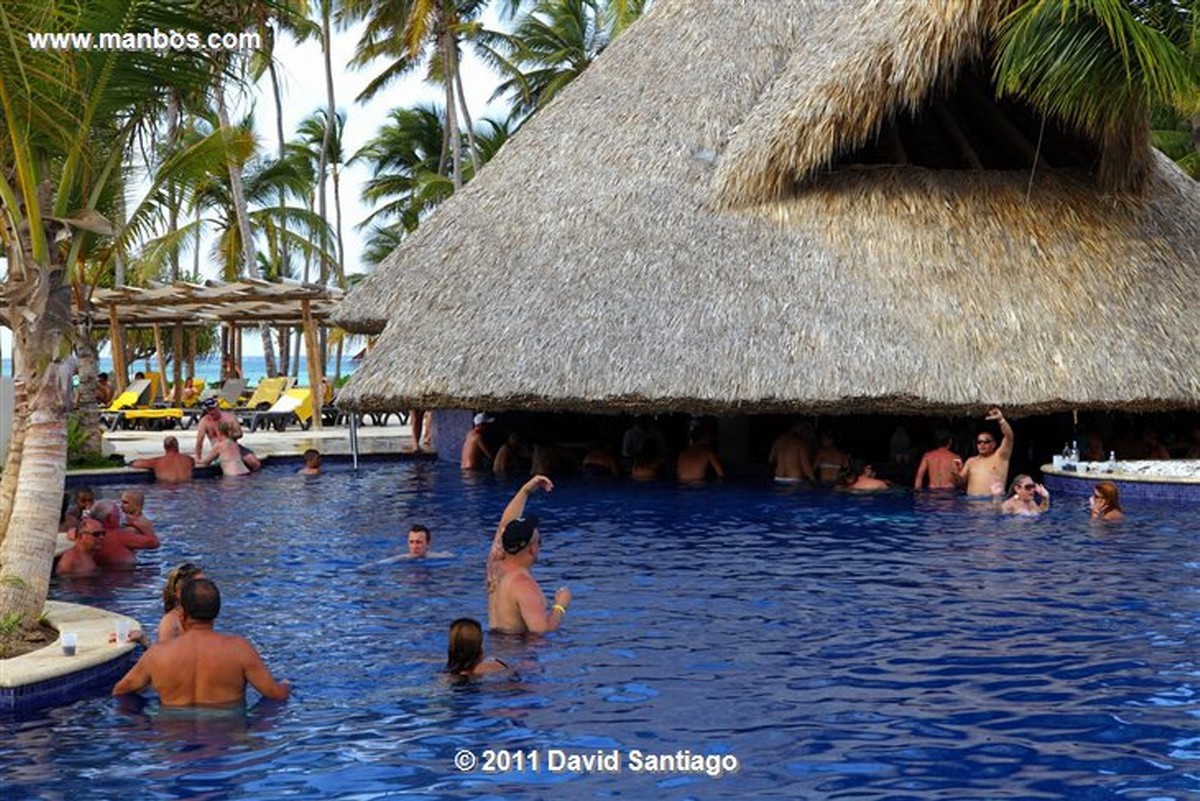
[990, 468]
[120, 541]
[695, 460]
[209, 427]
[475, 452]
[172, 467]
[789, 456]
[515, 601]
[81, 559]
[201, 667]
[940, 465]
[418, 541]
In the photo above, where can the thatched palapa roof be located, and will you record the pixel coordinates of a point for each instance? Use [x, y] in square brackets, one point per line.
[794, 206]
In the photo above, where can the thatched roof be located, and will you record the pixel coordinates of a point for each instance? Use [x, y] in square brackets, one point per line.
[725, 213]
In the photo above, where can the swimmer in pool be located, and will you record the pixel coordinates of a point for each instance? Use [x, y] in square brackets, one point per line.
[171, 624]
[201, 667]
[465, 653]
[1023, 497]
[515, 601]
[990, 466]
[1105, 503]
[789, 457]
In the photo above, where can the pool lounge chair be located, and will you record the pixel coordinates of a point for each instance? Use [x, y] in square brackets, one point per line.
[264, 396]
[136, 395]
[295, 405]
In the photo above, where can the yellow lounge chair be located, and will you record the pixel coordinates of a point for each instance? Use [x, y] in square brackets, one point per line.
[294, 404]
[266, 393]
[135, 395]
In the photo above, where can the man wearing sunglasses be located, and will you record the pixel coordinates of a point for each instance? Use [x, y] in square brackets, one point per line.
[81, 559]
[989, 469]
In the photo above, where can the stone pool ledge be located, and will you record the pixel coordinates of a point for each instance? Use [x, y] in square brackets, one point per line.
[46, 676]
[1174, 480]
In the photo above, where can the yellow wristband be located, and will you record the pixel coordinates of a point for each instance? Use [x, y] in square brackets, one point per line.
[562, 610]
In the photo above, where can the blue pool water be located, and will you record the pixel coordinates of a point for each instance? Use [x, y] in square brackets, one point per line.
[884, 647]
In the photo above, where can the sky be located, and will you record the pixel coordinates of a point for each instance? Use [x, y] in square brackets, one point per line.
[302, 79]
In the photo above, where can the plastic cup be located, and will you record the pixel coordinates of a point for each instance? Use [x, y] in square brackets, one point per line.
[123, 628]
[1057, 462]
[69, 641]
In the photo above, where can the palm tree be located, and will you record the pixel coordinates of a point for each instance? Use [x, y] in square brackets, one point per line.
[412, 32]
[553, 44]
[1099, 66]
[67, 119]
[406, 183]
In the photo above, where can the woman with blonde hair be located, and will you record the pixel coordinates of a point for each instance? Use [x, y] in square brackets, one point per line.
[1023, 497]
[1105, 503]
[465, 654]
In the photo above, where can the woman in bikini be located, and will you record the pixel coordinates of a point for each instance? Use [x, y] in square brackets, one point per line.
[465, 654]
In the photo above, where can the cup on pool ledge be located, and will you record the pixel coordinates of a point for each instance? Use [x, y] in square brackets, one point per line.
[1057, 462]
[69, 641]
[122, 631]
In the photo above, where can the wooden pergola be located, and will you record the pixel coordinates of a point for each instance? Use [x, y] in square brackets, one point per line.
[233, 306]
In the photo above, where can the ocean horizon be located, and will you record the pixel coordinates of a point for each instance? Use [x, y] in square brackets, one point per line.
[254, 368]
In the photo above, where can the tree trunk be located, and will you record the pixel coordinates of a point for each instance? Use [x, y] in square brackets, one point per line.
[452, 132]
[472, 148]
[12, 462]
[27, 553]
[250, 267]
[88, 411]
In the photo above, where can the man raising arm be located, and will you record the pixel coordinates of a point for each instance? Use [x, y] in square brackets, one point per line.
[515, 601]
[989, 469]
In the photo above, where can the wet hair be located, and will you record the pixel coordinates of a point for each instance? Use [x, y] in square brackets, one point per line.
[201, 600]
[312, 457]
[466, 646]
[1108, 491]
[170, 443]
[423, 529]
[176, 578]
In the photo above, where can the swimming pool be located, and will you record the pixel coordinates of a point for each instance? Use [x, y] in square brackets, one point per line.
[837, 647]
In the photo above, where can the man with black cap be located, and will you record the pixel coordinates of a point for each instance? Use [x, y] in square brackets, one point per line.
[515, 601]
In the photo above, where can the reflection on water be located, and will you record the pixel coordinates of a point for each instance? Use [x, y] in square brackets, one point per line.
[856, 647]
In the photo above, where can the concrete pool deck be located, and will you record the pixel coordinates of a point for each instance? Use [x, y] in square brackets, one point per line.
[48, 676]
[334, 441]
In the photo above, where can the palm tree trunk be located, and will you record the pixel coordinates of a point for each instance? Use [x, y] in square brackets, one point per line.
[285, 256]
[243, 220]
[27, 552]
[472, 148]
[88, 411]
[452, 132]
[12, 462]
